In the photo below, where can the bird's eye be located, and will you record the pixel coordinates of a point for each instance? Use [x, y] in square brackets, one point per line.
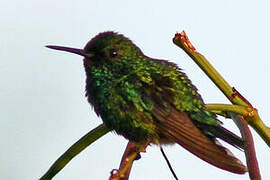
[113, 53]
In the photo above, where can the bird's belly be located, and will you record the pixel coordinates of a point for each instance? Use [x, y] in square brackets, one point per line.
[133, 130]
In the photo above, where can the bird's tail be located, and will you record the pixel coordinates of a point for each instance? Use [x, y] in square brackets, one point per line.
[222, 133]
[179, 128]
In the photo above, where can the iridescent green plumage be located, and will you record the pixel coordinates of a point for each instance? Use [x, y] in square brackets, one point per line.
[126, 88]
[150, 100]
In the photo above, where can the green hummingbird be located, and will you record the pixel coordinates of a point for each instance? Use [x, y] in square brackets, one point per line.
[151, 100]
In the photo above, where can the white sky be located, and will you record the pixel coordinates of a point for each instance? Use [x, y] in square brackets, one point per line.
[43, 108]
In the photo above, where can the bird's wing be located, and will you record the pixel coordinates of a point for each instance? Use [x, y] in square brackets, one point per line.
[179, 128]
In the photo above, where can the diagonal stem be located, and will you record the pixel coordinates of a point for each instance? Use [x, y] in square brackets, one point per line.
[130, 155]
[234, 96]
[74, 150]
[183, 42]
[168, 163]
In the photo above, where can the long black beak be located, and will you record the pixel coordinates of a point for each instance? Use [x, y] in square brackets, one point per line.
[71, 50]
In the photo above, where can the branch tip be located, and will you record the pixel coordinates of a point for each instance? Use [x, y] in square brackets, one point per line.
[182, 40]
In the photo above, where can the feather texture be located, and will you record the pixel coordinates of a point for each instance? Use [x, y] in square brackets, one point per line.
[178, 127]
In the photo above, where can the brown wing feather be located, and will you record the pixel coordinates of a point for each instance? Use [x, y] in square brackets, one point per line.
[178, 127]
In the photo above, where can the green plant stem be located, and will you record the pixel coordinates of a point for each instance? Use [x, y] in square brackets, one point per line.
[249, 114]
[223, 108]
[253, 120]
[183, 42]
[74, 150]
[257, 124]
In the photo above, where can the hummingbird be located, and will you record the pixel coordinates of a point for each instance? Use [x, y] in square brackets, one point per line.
[152, 100]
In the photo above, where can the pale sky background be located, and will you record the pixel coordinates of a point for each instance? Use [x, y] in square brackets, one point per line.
[43, 107]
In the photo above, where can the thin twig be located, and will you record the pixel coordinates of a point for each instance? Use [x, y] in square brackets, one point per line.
[252, 163]
[168, 163]
[223, 108]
